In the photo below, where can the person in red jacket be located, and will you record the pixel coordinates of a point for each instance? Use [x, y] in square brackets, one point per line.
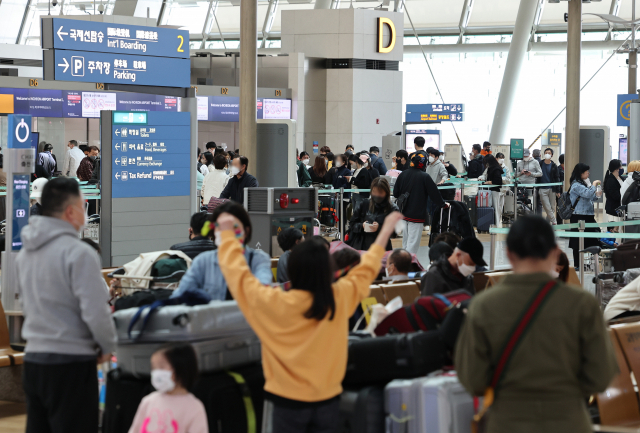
[85, 169]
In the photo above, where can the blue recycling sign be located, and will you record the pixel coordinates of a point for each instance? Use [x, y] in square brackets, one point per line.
[623, 108]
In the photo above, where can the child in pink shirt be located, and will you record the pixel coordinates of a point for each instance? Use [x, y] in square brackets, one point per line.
[171, 409]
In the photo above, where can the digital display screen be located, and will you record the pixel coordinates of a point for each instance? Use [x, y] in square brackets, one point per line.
[276, 109]
[623, 151]
[71, 104]
[431, 138]
[20, 208]
[93, 103]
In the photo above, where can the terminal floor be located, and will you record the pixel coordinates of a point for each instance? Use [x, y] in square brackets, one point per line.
[13, 418]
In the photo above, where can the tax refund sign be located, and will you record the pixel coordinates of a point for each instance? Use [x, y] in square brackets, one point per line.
[150, 154]
[113, 53]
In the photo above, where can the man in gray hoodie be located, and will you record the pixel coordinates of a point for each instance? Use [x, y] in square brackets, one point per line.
[67, 324]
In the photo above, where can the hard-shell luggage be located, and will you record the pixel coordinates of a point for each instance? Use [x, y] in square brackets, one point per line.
[381, 359]
[633, 210]
[218, 332]
[362, 411]
[630, 275]
[397, 402]
[626, 256]
[454, 219]
[327, 210]
[470, 203]
[425, 314]
[486, 217]
[607, 285]
[441, 405]
[484, 198]
[231, 401]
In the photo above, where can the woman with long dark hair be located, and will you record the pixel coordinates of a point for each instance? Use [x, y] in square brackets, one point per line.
[369, 216]
[319, 171]
[494, 178]
[611, 188]
[582, 195]
[304, 330]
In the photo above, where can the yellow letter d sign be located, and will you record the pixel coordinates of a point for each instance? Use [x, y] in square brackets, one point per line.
[392, 33]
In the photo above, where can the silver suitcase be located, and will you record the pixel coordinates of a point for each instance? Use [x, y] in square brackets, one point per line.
[397, 405]
[633, 210]
[218, 331]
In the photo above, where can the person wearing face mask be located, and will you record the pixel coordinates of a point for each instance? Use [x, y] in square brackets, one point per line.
[204, 273]
[36, 196]
[67, 321]
[398, 265]
[436, 168]
[206, 159]
[583, 194]
[376, 161]
[85, 169]
[611, 187]
[304, 178]
[454, 272]
[486, 149]
[305, 159]
[548, 194]
[506, 174]
[72, 159]
[239, 181]
[369, 216]
[340, 174]
[369, 166]
[563, 356]
[475, 167]
[361, 178]
[174, 370]
[528, 170]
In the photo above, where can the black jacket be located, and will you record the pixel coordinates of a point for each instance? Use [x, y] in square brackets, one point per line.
[611, 189]
[374, 173]
[420, 186]
[554, 175]
[235, 188]
[451, 169]
[360, 240]
[378, 164]
[326, 179]
[475, 168]
[441, 279]
[363, 181]
[195, 246]
[494, 174]
[402, 167]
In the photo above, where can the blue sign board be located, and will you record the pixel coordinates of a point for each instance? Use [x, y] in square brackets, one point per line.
[152, 160]
[19, 131]
[66, 34]
[20, 208]
[129, 118]
[434, 112]
[140, 70]
[624, 108]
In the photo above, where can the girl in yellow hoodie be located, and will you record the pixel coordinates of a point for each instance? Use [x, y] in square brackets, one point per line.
[303, 331]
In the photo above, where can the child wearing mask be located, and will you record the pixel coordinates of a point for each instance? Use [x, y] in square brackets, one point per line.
[172, 408]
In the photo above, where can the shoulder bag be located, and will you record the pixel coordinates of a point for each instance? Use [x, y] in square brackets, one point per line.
[529, 314]
[565, 207]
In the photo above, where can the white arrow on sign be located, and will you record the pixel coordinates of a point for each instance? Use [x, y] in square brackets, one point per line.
[117, 146]
[65, 65]
[117, 133]
[117, 161]
[118, 176]
[60, 33]
[141, 117]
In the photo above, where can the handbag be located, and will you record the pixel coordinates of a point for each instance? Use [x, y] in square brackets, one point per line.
[529, 314]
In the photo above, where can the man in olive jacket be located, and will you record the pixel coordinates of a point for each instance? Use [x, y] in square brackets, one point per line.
[564, 356]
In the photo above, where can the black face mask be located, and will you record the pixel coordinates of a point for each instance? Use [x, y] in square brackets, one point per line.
[378, 199]
[621, 171]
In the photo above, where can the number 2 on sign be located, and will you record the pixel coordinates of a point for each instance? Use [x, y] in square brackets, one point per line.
[180, 50]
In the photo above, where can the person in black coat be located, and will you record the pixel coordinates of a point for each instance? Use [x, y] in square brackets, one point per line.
[369, 216]
[401, 160]
[494, 178]
[197, 243]
[611, 187]
[475, 168]
[361, 178]
[241, 179]
[319, 172]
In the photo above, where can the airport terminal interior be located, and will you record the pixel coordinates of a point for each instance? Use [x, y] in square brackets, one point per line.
[319, 216]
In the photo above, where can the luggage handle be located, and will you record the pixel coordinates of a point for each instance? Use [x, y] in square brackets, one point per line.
[181, 320]
[237, 344]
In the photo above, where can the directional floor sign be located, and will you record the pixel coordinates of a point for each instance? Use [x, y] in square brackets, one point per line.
[92, 67]
[66, 34]
[151, 160]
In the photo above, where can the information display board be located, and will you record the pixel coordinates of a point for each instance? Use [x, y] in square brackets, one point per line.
[517, 148]
[151, 160]
[20, 208]
[434, 112]
[431, 138]
[555, 138]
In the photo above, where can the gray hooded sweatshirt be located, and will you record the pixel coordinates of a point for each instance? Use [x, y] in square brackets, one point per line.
[62, 289]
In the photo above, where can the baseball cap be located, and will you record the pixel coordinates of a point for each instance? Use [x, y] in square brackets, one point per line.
[526, 152]
[37, 186]
[474, 248]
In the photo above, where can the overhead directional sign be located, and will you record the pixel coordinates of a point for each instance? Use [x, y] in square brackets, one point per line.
[129, 118]
[434, 112]
[93, 67]
[66, 34]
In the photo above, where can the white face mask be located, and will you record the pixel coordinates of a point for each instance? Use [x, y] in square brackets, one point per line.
[366, 164]
[386, 272]
[235, 171]
[554, 274]
[305, 161]
[162, 381]
[547, 156]
[501, 161]
[431, 159]
[465, 269]
[338, 164]
[528, 158]
[441, 157]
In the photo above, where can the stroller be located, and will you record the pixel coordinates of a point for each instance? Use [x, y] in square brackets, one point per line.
[456, 219]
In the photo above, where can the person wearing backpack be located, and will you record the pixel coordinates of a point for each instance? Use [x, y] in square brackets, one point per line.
[582, 194]
[563, 355]
[303, 331]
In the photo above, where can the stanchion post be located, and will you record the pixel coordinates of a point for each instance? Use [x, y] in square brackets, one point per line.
[580, 248]
[341, 196]
[515, 200]
[492, 257]
[533, 194]
[462, 191]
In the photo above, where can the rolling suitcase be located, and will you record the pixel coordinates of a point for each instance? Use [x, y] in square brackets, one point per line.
[486, 217]
[397, 401]
[626, 256]
[362, 411]
[607, 285]
[218, 332]
[470, 202]
[381, 359]
[630, 275]
[440, 405]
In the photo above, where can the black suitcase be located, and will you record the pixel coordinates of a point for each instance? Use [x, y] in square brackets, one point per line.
[379, 360]
[362, 411]
[221, 394]
[470, 202]
[626, 256]
[486, 218]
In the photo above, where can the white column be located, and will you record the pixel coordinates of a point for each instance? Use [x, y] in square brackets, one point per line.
[517, 53]
[572, 129]
[248, 81]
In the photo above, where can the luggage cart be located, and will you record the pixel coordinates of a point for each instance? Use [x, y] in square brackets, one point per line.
[127, 288]
[92, 228]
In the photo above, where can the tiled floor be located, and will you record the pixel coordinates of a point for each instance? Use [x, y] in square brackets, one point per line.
[13, 418]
